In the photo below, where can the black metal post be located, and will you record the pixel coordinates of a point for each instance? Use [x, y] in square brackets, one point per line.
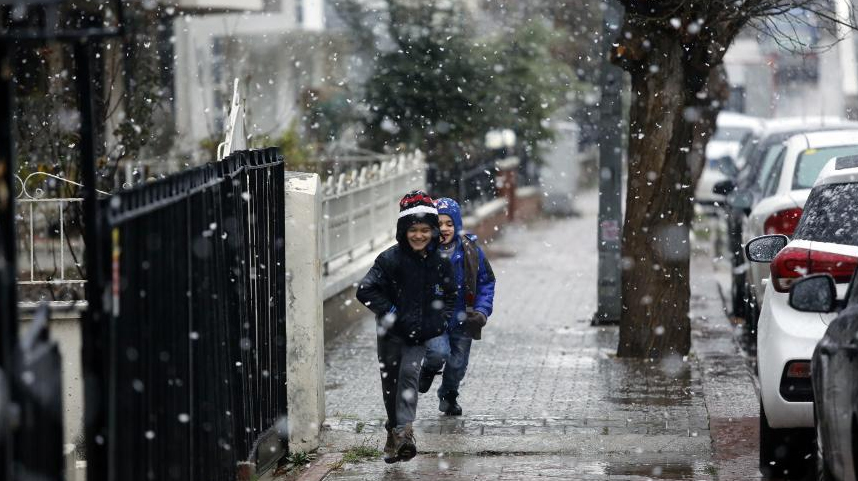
[610, 176]
[93, 361]
[8, 294]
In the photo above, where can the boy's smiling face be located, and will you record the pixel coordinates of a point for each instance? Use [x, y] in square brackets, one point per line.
[447, 228]
[419, 235]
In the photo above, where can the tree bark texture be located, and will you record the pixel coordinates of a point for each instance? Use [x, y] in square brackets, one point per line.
[677, 89]
[655, 250]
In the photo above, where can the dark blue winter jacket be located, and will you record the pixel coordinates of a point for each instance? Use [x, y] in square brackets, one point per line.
[485, 286]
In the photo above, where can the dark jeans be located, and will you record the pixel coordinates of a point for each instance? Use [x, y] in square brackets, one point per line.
[400, 368]
[454, 350]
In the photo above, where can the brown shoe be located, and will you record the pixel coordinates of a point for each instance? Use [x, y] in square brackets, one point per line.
[390, 456]
[406, 447]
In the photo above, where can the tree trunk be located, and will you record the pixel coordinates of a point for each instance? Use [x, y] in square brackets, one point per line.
[678, 88]
[654, 321]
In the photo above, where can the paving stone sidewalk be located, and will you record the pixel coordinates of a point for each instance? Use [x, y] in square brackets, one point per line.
[545, 395]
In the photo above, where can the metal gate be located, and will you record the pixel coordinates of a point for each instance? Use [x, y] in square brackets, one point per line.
[194, 297]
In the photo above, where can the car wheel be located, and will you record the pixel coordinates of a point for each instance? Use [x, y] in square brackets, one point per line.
[752, 312]
[784, 453]
[738, 296]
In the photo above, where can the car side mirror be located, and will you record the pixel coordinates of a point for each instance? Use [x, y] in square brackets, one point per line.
[765, 247]
[740, 200]
[814, 293]
[727, 167]
[724, 187]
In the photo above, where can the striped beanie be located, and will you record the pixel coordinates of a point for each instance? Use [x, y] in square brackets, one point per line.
[416, 202]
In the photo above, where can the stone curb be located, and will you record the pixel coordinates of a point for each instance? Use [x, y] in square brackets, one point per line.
[318, 469]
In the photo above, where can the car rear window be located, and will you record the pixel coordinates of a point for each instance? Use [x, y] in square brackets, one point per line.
[811, 161]
[731, 134]
[830, 215]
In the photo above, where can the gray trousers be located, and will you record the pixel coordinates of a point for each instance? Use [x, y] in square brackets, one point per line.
[400, 369]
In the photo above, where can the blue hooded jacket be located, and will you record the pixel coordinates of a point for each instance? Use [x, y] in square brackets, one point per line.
[485, 285]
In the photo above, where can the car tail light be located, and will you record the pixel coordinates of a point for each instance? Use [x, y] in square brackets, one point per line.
[795, 383]
[783, 222]
[794, 262]
[798, 369]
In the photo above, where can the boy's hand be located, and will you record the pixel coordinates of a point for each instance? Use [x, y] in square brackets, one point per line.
[476, 318]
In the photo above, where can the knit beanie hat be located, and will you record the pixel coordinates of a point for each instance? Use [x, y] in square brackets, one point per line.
[417, 207]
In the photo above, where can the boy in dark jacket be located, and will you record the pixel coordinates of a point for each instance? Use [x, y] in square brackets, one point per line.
[410, 289]
[475, 297]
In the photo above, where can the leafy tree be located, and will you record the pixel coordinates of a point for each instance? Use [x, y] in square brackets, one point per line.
[129, 96]
[425, 91]
[529, 84]
[673, 51]
[436, 85]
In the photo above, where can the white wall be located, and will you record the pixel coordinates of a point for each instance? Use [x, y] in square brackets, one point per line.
[748, 66]
[268, 51]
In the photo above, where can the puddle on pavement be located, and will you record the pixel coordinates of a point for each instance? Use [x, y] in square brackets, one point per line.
[527, 467]
[657, 470]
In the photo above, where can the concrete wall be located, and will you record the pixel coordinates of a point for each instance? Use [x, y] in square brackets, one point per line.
[305, 364]
[65, 330]
[341, 311]
[488, 219]
[529, 204]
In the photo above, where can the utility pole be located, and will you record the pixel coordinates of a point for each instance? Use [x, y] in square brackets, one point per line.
[610, 174]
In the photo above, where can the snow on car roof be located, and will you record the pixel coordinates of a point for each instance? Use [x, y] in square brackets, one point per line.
[839, 170]
[733, 119]
[828, 138]
[801, 124]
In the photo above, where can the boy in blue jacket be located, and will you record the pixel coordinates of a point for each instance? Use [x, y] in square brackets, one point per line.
[475, 284]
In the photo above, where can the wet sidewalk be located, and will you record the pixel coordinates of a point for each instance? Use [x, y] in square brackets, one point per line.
[545, 395]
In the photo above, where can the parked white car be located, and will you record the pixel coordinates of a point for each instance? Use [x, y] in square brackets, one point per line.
[732, 131]
[754, 161]
[824, 242]
[786, 185]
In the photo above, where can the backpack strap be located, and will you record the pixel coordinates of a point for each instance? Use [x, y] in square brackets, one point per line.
[472, 269]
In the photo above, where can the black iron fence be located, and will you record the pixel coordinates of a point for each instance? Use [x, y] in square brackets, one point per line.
[472, 186]
[194, 296]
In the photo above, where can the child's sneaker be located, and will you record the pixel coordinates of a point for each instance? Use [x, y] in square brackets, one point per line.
[424, 383]
[406, 447]
[390, 456]
[448, 404]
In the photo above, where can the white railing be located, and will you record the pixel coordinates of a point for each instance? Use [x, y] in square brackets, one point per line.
[51, 256]
[360, 208]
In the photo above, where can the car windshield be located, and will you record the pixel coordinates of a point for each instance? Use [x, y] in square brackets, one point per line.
[731, 134]
[811, 161]
[830, 215]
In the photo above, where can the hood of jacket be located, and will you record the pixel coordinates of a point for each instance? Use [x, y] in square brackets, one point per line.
[448, 206]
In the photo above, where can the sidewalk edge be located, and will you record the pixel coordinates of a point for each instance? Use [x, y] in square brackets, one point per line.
[321, 467]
